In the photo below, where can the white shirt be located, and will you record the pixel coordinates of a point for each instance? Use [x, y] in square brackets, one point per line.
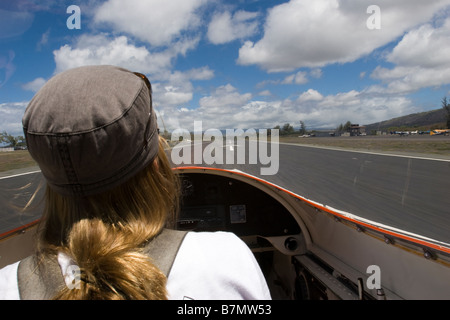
[208, 266]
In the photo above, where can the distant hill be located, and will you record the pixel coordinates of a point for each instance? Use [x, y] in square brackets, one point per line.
[434, 119]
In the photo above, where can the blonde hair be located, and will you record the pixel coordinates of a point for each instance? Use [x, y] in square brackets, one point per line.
[105, 233]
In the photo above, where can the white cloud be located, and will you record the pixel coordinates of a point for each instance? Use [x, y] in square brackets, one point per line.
[100, 50]
[425, 46]
[227, 108]
[421, 60]
[362, 107]
[43, 41]
[310, 95]
[315, 33]
[341, 99]
[327, 112]
[170, 95]
[6, 63]
[223, 108]
[265, 93]
[204, 73]
[225, 99]
[316, 73]
[34, 85]
[176, 88]
[11, 117]
[225, 27]
[260, 114]
[297, 78]
[158, 22]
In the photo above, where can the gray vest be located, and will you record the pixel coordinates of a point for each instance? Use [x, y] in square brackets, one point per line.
[46, 280]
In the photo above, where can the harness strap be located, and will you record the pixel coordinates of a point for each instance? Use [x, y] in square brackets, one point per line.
[164, 248]
[38, 280]
[42, 280]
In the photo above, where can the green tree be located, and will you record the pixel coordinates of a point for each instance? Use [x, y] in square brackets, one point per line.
[302, 128]
[446, 107]
[344, 127]
[2, 134]
[287, 129]
[11, 140]
[347, 125]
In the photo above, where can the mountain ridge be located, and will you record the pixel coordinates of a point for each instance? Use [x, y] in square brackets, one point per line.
[427, 120]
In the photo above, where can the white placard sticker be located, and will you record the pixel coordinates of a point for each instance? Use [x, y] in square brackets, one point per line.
[238, 213]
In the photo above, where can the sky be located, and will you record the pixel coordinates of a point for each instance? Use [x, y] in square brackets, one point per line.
[238, 64]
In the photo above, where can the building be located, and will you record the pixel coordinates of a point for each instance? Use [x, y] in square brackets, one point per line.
[357, 130]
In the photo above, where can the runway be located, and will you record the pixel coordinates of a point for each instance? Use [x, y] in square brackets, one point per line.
[404, 192]
[408, 193]
[15, 191]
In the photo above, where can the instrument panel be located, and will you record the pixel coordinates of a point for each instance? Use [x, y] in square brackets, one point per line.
[220, 203]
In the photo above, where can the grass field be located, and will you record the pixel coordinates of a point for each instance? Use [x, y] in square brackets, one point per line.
[422, 145]
[15, 160]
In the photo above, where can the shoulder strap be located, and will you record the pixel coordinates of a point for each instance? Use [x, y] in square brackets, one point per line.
[43, 280]
[38, 280]
[164, 248]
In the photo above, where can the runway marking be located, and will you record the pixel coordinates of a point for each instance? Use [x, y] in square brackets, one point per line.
[366, 152]
[408, 178]
[19, 174]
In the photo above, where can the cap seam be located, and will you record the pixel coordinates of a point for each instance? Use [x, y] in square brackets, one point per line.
[66, 160]
[82, 189]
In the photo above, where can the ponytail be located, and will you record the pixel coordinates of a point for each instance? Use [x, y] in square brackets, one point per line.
[111, 268]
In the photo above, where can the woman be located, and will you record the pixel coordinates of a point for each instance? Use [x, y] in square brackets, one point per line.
[110, 195]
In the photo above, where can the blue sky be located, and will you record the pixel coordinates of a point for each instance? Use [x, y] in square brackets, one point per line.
[239, 64]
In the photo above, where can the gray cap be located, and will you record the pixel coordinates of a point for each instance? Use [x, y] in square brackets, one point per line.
[91, 129]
